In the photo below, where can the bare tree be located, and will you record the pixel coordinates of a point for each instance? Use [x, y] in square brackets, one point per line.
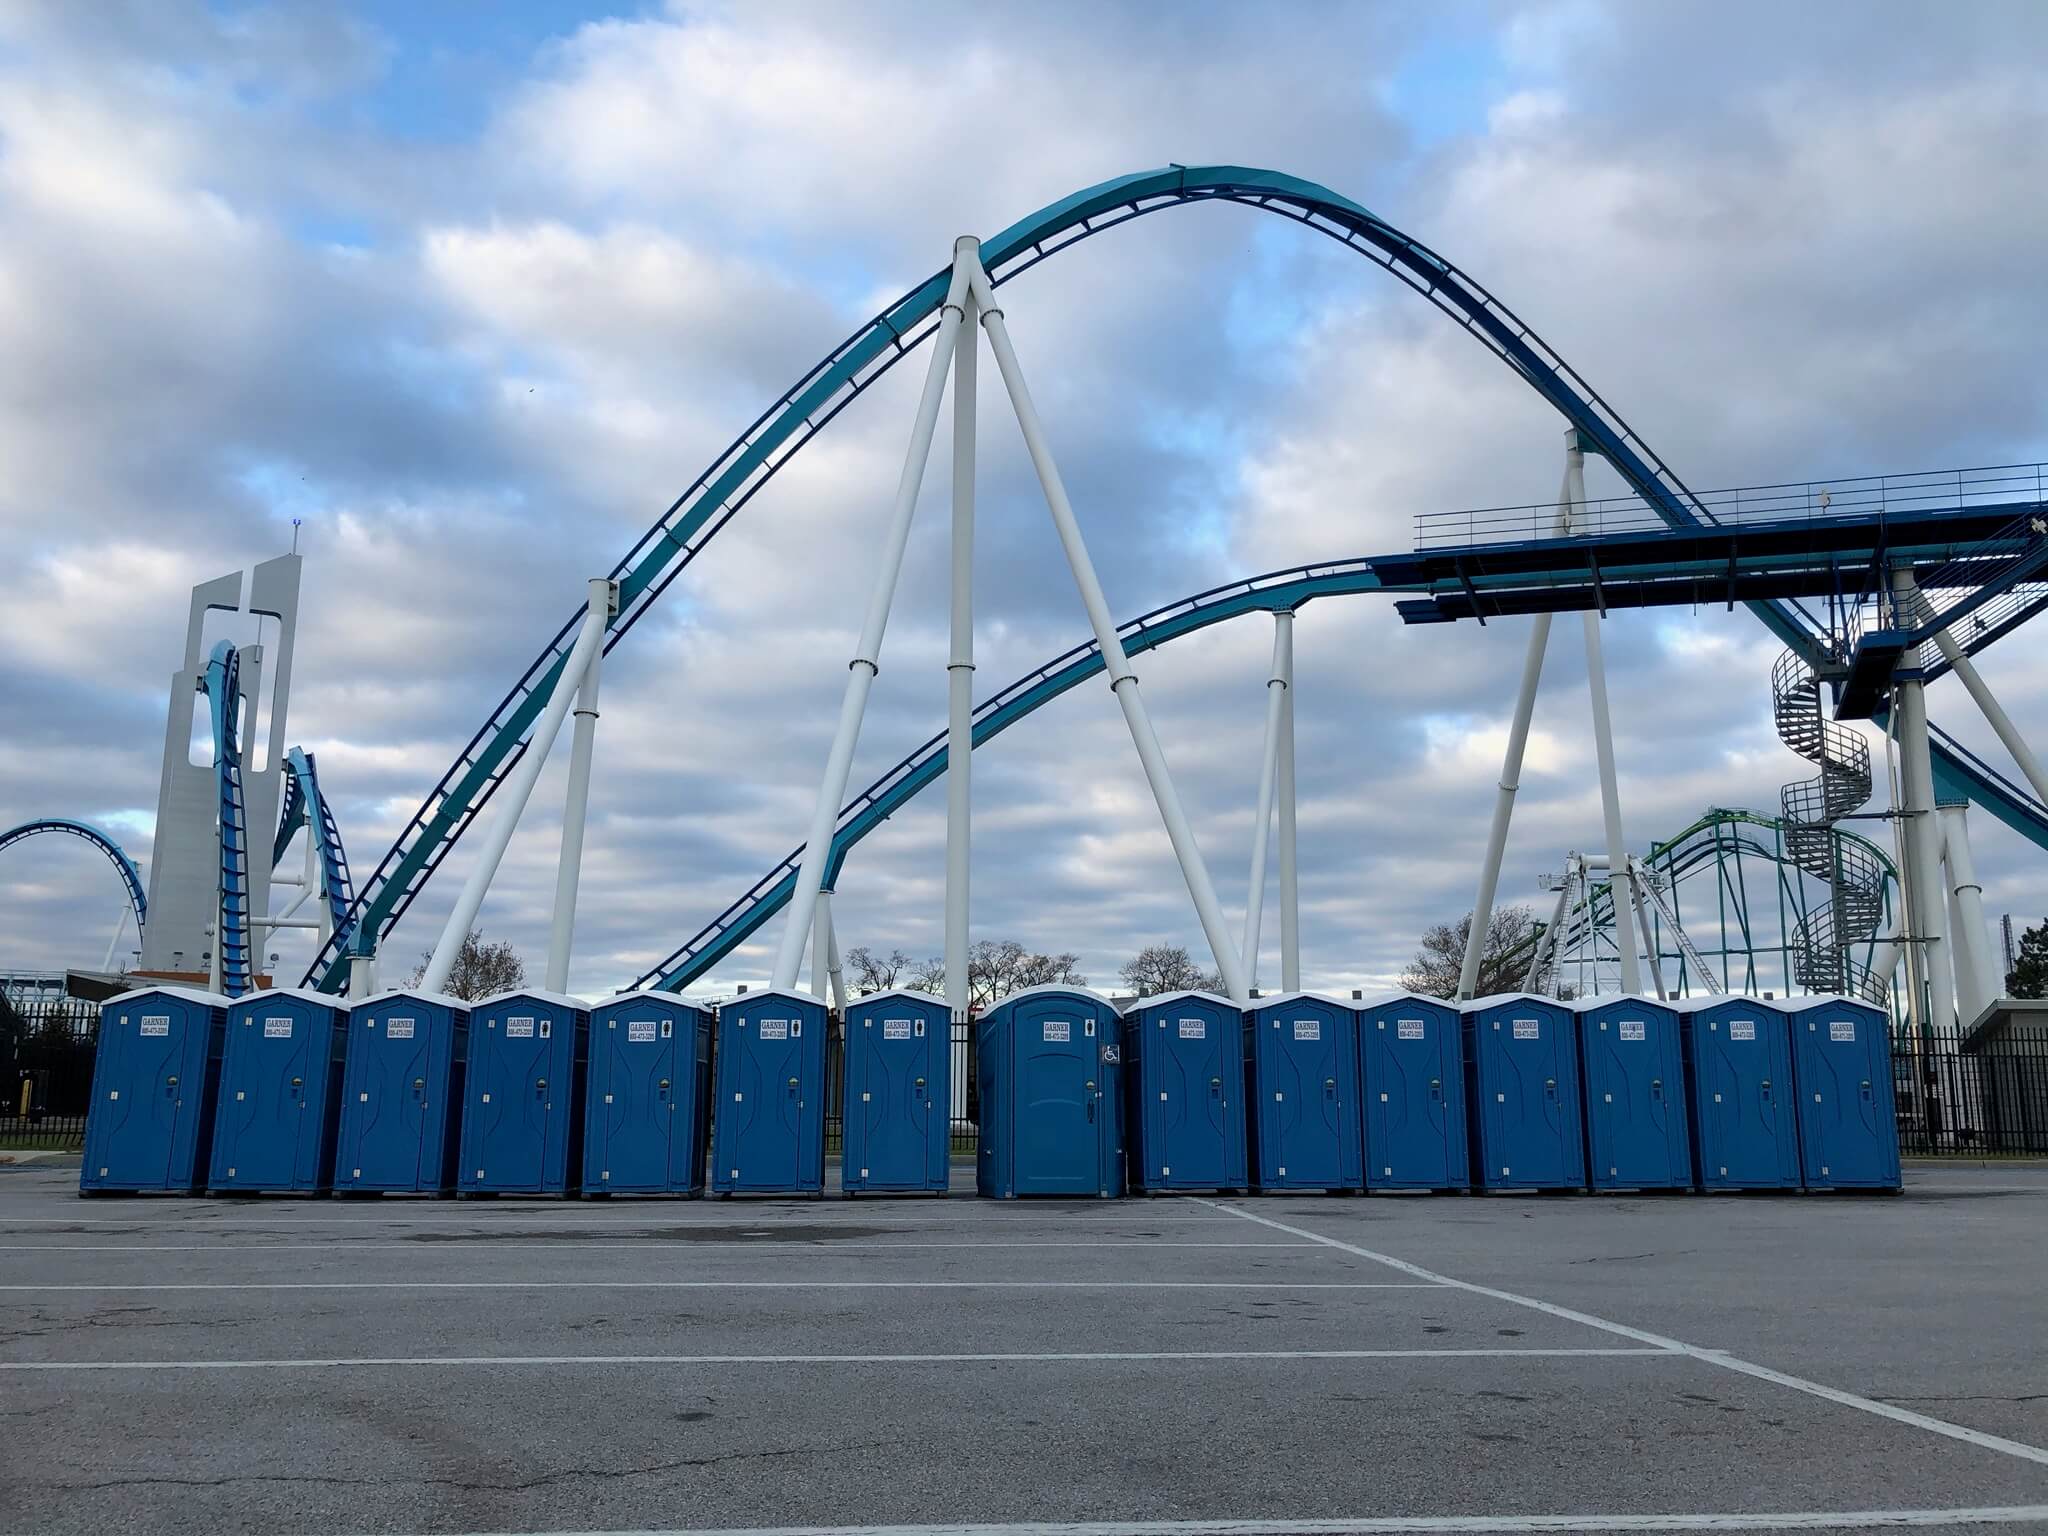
[1161, 968]
[995, 969]
[929, 976]
[876, 973]
[481, 970]
[1503, 962]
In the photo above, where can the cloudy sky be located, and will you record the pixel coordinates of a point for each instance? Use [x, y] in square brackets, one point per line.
[475, 291]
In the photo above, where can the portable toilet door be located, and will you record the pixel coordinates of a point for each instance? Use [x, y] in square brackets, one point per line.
[1738, 1061]
[522, 1099]
[154, 1079]
[1304, 1080]
[1183, 1070]
[401, 1093]
[898, 1086]
[768, 1112]
[1522, 1081]
[279, 1110]
[1050, 1067]
[1848, 1117]
[647, 1096]
[1634, 1069]
[1412, 1088]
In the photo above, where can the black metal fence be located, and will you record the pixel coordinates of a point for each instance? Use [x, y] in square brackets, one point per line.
[1992, 1101]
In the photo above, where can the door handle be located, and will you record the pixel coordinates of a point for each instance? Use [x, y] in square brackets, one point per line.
[1216, 1087]
[792, 1087]
[1329, 1088]
[171, 1084]
[1436, 1087]
[297, 1084]
[919, 1086]
[664, 1087]
[1766, 1086]
[1550, 1087]
[540, 1087]
[1867, 1095]
[1656, 1087]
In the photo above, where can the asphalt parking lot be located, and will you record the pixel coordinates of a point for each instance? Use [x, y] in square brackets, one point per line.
[1296, 1364]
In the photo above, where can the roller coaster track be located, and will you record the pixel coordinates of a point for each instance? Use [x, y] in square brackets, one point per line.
[101, 840]
[304, 805]
[221, 682]
[680, 534]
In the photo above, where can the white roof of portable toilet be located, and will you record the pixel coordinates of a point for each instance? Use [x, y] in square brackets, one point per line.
[1261, 1004]
[1160, 999]
[303, 994]
[647, 994]
[1495, 999]
[1825, 1000]
[1058, 986]
[559, 999]
[188, 994]
[789, 992]
[1582, 1004]
[910, 992]
[1715, 999]
[413, 994]
[1381, 999]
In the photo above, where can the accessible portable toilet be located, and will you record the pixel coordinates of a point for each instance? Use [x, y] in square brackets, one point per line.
[1183, 1068]
[1411, 1067]
[1848, 1117]
[898, 1083]
[279, 1112]
[1049, 1066]
[1738, 1069]
[522, 1095]
[768, 1111]
[154, 1076]
[1303, 1049]
[647, 1097]
[1522, 1081]
[401, 1094]
[1637, 1132]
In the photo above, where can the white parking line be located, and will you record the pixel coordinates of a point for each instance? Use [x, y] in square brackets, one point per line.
[1721, 1358]
[1085, 1357]
[96, 1286]
[1439, 1525]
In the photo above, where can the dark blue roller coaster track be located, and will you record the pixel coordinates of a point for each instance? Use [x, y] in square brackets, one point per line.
[753, 459]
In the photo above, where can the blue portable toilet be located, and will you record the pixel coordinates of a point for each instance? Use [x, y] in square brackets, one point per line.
[1848, 1117]
[401, 1094]
[1411, 1067]
[1183, 1070]
[648, 1096]
[1522, 1082]
[1633, 1064]
[522, 1095]
[279, 1112]
[1049, 1068]
[898, 1084]
[768, 1111]
[1304, 1133]
[1738, 1069]
[154, 1078]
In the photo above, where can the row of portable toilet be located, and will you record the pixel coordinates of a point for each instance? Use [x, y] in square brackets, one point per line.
[292, 1091]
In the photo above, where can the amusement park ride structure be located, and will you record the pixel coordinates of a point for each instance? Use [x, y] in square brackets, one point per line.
[1912, 576]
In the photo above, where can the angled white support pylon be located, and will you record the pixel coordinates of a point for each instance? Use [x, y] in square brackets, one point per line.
[1269, 757]
[518, 791]
[1920, 839]
[1978, 982]
[575, 803]
[960, 662]
[1123, 681]
[860, 674]
[821, 946]
[1290, 884]
[832, 965]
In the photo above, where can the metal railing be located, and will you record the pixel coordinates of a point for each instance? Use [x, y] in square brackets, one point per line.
[1791, 501]
[46, 1055]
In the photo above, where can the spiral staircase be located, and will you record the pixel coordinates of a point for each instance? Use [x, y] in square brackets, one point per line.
[1810, 808]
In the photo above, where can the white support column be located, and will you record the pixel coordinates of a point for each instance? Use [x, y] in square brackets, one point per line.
[860, 674]
[1504, 806]
[362, 975]
[960, 659]
[821, 945]
[1546, 942]
[1269, 757]
[1994, 713]
[114, 943]
[1978, 980]
[832, 966]
[1922, 839]
[1122, 680]
[1290, 884]
[1635, 891]
[517, 791]
[576, 804]
[315, 880]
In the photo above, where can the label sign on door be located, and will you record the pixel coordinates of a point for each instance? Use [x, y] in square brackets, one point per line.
[774, 1029]
[1528, 1029]
[638, 1030]
[1742, 1029]
[398, 1029]
[1194, 1029]
[1058, 1029]
[1408, 1029]
[277, 1029]
[519, 1029]
[1632, 1029]
[1308, 1029]
[895, 1029]
[1842, 1029]
[156, 1024]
